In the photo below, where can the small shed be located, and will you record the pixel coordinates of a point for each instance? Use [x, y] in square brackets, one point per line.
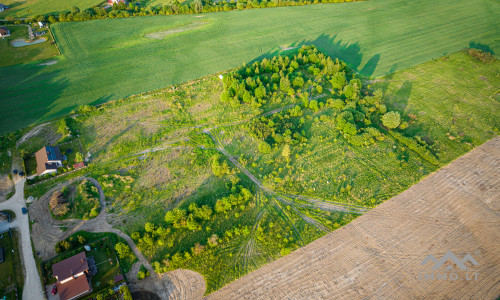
[79, 165]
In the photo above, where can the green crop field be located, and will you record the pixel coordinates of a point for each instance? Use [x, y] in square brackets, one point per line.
[109, 59]
[30, 8]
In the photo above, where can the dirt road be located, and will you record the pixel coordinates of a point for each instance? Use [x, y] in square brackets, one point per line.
[380, 254]
[32, 289]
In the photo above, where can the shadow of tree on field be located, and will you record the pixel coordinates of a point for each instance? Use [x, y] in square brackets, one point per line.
[28, 94]
[350, 53]
[482, 47]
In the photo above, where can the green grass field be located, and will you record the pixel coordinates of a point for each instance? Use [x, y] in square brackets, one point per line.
[109, 59]
[11, 278]
[11, 55]
[30, 8]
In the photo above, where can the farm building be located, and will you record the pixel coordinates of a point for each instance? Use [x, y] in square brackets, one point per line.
[4, 31]
[71, 275]
[48, 159]
[3, 7]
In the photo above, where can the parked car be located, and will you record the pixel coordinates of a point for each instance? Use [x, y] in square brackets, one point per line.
[24, 210]
[54, 290]
[21, 173]
[14, 171]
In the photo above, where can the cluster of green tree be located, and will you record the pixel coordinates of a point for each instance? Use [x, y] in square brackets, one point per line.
[237, 199]
[125, 253]
[190, 219]
[219, 168]
[153, 238]
[143, 273]
[270, 80]
[277, 130]
[124, 10]
[357, 111]
[70, 243]
[181, 258]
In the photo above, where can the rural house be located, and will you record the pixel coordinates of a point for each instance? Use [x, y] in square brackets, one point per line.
[4, 31]
[48, 159]
[3, 7]
[71, 275]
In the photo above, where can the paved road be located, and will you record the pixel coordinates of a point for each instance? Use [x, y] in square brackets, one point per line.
[32, 286]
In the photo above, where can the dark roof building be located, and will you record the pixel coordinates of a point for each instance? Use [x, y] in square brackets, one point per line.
[71, 275]
[119, 278]
[3, 7]
[72, 266]
[48, 159]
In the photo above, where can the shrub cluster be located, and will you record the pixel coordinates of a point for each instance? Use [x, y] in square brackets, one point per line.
[483, 56]
[123, 10]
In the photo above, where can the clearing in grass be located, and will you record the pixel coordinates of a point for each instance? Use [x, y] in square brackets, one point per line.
[124, 62]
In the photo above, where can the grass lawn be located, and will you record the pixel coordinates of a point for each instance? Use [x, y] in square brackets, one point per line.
[30, 164]
[30, 8]
[124, 62]
[11, 277]
[10, 55]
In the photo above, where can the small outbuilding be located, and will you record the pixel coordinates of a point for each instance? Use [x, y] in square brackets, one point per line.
[79, 165]
[3, 7]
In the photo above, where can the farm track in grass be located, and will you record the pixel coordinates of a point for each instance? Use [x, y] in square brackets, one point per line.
[408, 33]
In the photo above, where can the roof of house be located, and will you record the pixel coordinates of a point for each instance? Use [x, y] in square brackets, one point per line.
[119, 278]
[53, 153]
[79, 165]
[44, 155]
[73, 288]
[70, 266]
[3, 5]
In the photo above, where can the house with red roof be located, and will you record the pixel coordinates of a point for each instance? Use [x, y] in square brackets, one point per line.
[71, 275]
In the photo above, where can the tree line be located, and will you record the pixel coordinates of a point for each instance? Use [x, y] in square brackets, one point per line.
[131, 9]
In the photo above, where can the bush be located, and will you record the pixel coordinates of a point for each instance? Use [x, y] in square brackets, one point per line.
[483, 56]
[391, 119]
